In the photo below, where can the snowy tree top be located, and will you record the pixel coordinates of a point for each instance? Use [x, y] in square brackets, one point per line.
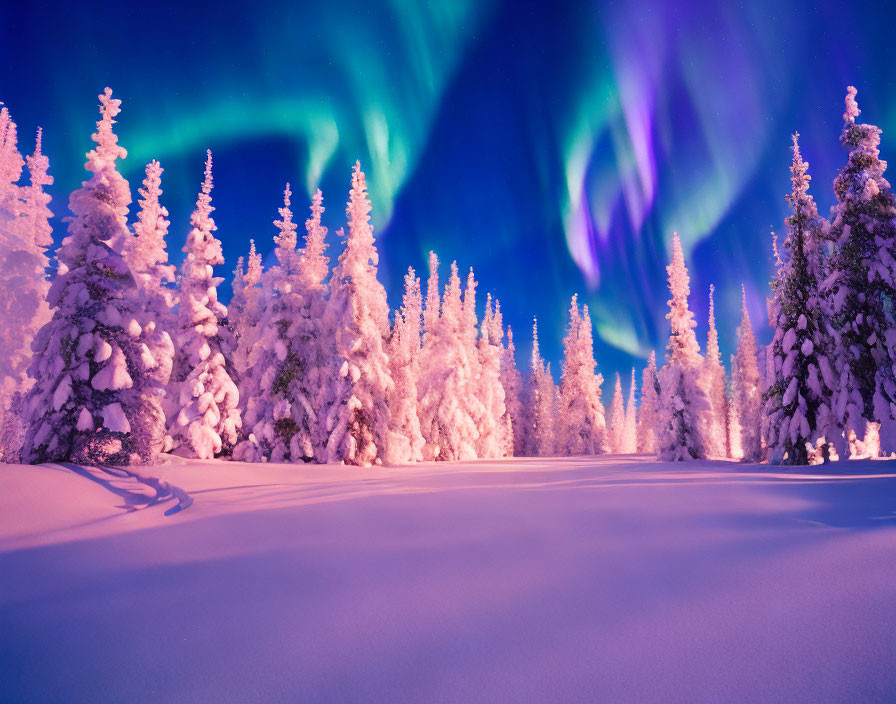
[107, 148]
[253, 266]
[201, 217]
[537, 363]
[713, 354]
[799, 171]
[433, 304]
[852, 107]
[202, 247]
[312, 261]
[11, 161]
[39, 164]
[285, 239]
[152, 223]
[683, 345]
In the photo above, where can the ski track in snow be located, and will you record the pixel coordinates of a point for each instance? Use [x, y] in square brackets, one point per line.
[613, 579]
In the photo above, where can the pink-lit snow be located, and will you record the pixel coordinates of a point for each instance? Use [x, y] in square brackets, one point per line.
[612, 579]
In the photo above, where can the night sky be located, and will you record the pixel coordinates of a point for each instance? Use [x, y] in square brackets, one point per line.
[552, 146]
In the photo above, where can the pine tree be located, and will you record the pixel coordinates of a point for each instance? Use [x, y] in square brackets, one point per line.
[682, 401]
[616, 428]
[11, 165]
[206, 418]
[629, 445]
[280, 418]
[406, 444]
[24, 238]
[512, 382]
[532, 397]
[860, 288]
[715, 421]
[800, 369]
[545, 412]
[746, 388]
[96, 395]
[145, 252]
[495, 432]
[735, 448]
[447, 374]
[314, 266]
[356, 415]
[244, 312]
[582, 428]
[146, 255]
[647, 411]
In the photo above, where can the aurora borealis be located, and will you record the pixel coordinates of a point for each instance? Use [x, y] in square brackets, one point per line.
[554, 147]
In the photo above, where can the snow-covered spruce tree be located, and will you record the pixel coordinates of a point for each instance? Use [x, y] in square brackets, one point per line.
[477, 396]
[496, 333]
[860, 289]
[648, 408]
[682, 400]
[147, 256]
[616, 426]
[206, 419]
[712, 378]
[96, 395]
[146, 252]
[581, 426]
[530, 396]
[514, 399]
[735, 448]
[315, 339]
[280, 420]
[25, 235]
[746, 394]
[800, 371]
[356, 422]
[406, 441]
[545, 398]
[11, 165]
[244, 312]
[447, 374]
[495, 432]
[629, 444]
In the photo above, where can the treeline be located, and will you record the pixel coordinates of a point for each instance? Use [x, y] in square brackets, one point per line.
[118, 357]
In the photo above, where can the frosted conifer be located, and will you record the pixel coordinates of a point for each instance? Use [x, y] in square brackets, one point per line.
[647, 411]
[746, 395]
[96, 395]
[581, 426]
[629, 445]
[495, 429]
[447, 374]
[682, 400]
[406, 443]
[800, 379]
[145, 252]
[860, 288]
[512, 382]
[25, 234]
[735, 449]
[355, 413]
[280, 418]
[245, 309]
[205, 421]
[616, 427]
[712, 379]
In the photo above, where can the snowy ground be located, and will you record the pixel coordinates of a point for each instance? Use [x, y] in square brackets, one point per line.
[607, 580]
